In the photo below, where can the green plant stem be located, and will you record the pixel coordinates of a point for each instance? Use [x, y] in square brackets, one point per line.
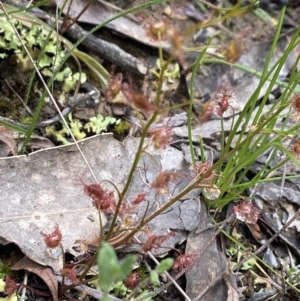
[191, 102]
[273, 46]
[233, 164]
[139, 153]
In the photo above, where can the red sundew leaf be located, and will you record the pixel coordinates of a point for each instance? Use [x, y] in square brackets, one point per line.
[140, 198]
[102, 199]
[93, 190]
[247, 212]
[207, 111]
[184, 261]
[161, 136]
[53, 239]
[202, 168]
[295, 102]
[295, 149]
[114, 87]
[133, 280]
[10, 286]
[163, 179]
[224, 98]
[137, 100]
[71, 275]
[155, 241]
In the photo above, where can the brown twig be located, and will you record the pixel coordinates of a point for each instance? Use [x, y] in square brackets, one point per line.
[19, 97]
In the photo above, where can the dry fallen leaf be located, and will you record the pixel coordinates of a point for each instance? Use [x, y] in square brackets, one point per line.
[43, 272]
[44, 189]
[7, 136]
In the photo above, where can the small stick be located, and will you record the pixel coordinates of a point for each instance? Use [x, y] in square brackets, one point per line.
[19, 97]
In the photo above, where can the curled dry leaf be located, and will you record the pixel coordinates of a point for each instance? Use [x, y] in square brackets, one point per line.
[46, 273]
[7, 137]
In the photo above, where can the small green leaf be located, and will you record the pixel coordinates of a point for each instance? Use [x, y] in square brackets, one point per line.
[120, 289]
[109, 268]
[231, 251]
[153, 277]
[293, 270]
[12, 126]
[127, 265]
[248, 265]
[164, 265]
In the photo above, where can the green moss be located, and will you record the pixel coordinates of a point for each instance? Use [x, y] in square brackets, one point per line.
[6, 106]
[26, 120]
[122, 128]
[4, 270]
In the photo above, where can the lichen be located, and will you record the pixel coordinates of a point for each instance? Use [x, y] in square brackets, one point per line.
[26, 120]
[76, 128]
[98, 124]
[95, 125]
[45, 50]
[59, 135]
